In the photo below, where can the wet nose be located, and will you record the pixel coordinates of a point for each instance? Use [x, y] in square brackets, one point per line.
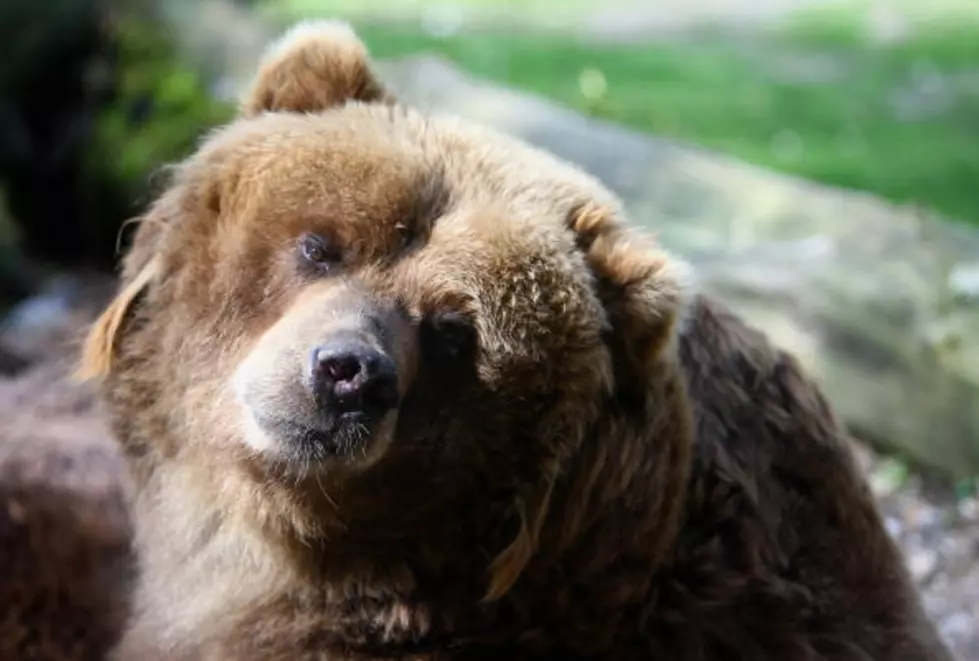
[350, 376]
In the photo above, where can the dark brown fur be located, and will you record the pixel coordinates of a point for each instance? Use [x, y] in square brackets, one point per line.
[619, 470]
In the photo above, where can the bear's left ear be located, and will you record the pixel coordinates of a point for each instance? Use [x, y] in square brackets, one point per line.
[643, 289]
[142, 268]
[315, 65]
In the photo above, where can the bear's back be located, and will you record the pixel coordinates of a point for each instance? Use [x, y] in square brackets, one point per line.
[783, 553]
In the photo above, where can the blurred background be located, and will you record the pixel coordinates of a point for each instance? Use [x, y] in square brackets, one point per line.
[816, 160]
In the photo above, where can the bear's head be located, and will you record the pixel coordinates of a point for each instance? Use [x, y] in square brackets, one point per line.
[356, 327]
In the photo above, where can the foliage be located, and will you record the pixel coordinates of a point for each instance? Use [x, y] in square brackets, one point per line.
[93, 99]
[160, 108]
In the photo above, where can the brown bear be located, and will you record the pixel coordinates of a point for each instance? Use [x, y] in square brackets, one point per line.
[392, 386]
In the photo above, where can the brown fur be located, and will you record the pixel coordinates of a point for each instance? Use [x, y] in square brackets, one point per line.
[64, 529]
[616, 470]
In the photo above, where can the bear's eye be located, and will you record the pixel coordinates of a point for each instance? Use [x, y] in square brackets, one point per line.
[318, 251]
[406, 235]
[448, 337]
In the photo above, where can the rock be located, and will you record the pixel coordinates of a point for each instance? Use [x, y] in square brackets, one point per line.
[923, 564]
[964, 281]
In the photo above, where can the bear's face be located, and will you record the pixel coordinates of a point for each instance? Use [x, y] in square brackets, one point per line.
[344, 312]
[371, 299]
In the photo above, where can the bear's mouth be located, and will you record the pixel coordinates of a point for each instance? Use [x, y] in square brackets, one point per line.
[346, 436]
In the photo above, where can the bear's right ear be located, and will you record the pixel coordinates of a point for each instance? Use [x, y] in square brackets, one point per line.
[315, 65]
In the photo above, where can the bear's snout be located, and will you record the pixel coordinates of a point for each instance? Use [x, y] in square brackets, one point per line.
[325, 382]
[348, 377]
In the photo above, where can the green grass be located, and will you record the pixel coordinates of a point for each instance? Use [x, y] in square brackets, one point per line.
[739, 96]
[533, 11]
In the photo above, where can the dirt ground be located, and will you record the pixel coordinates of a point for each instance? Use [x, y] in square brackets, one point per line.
[53, 442]
[938, 531]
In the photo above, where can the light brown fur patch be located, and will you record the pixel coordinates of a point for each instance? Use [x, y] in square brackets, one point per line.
[99, 346]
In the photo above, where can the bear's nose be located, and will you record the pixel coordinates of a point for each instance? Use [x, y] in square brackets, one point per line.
[350, 376]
